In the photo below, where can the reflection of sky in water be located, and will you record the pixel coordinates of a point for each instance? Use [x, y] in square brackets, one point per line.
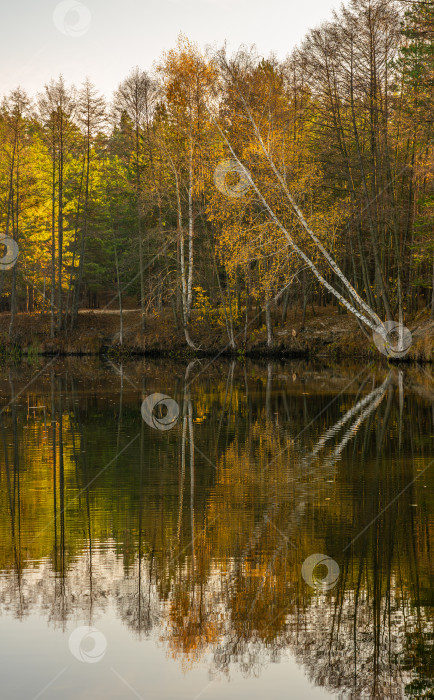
[32, 654]
[287, 462]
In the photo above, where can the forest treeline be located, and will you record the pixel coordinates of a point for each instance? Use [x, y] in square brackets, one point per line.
[137, 201]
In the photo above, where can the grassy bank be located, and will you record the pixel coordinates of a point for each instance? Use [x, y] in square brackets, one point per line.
[323, 334]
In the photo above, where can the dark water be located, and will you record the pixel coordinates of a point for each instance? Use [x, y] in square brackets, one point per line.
[187, 545]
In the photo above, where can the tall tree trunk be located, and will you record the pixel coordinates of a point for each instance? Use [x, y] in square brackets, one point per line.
[139, 231]
[268, 321]
[16, 237]
[53, 239]
[121, 319]
[374, 241]
[60, 223]
[185, 286]
[69, 308]
[83, 239]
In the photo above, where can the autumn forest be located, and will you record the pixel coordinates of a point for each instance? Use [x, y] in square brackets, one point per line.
[141, 200]
[216, 350]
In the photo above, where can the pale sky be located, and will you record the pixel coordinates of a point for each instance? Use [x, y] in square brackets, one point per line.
[104, 39]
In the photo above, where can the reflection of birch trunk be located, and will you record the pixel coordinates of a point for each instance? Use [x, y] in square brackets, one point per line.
[140, 526]
[13, 492]
[191, 440]
[17, 503]
[80, 459]
[61, 485]
[187, 427]
[366, 406]
[182, 479]
[53, 440]
[8, 477]
[353, 429]
[229, 380]
[231, 374]
[268, 391]
[183, 454]
[401, 402]
[121, 392]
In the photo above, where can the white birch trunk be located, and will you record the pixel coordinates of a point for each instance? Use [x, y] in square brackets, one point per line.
[186, 285]
[374, 321]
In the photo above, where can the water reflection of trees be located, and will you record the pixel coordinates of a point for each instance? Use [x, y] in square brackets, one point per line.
[199, 536]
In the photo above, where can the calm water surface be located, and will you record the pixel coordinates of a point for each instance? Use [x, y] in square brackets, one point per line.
[167, 553]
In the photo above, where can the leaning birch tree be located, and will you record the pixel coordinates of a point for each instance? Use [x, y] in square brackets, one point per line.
[236, 75]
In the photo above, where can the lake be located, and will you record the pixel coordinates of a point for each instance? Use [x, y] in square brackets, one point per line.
[215, 530]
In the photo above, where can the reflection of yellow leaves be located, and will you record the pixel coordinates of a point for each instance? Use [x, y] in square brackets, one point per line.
[241, 578]
[190, 629]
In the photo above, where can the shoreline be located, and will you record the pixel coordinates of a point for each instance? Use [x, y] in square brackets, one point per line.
[325, 335]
